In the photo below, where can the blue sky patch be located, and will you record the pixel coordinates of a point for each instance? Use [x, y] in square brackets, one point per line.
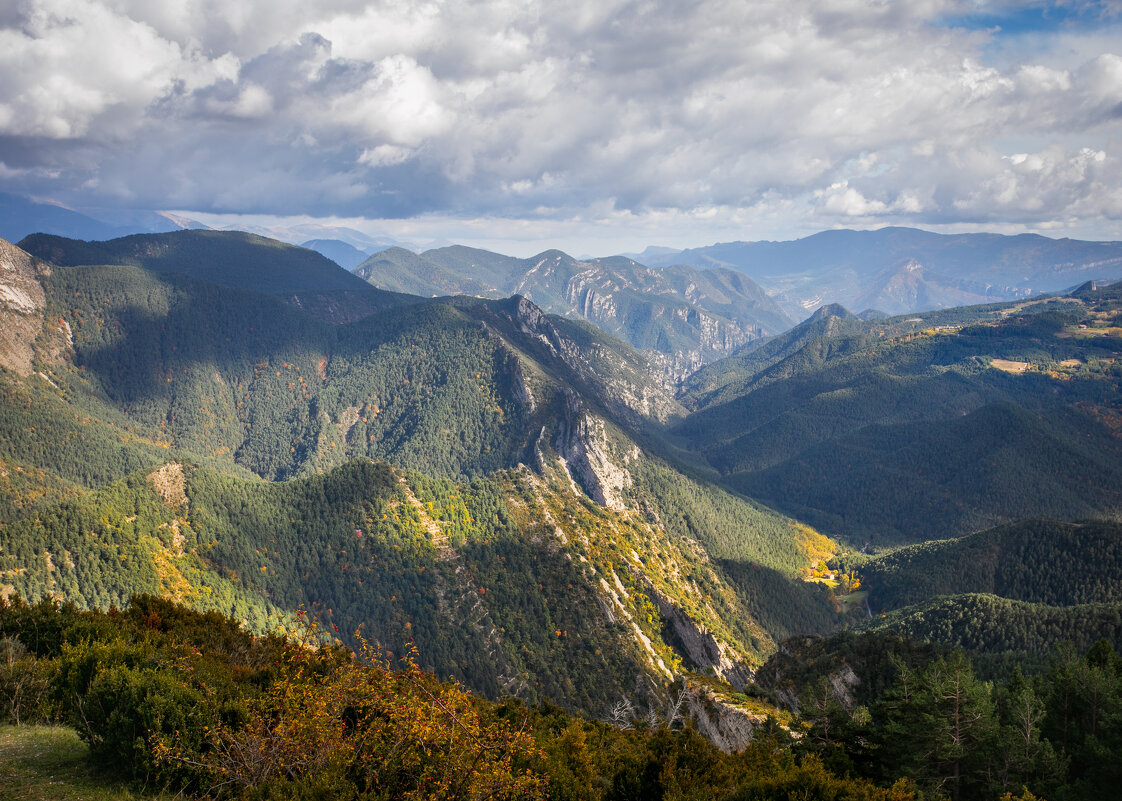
[1018, 19]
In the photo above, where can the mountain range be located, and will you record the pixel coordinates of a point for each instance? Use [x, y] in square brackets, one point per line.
[151, 387]
[921, 426]
[343, 253]
[525, 499]
[680, 316]
[20, 216]
[902, 270]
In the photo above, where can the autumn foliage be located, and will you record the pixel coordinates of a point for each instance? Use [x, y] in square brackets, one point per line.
[191, 702]
[346, 726]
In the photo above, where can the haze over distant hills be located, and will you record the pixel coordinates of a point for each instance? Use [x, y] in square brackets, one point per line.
[20, 216]
[682, 317]
[342, 253]
[329, 239]
[891, 270]
[902, 270]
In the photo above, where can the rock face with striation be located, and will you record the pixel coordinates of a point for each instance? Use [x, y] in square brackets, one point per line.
[21, 307]
[700, 646]
[582, 445]
[726, 726]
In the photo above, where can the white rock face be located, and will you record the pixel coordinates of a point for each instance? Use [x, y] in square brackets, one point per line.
[581, 444]
[16, 299]
[171, 484]
[727, 727]
[21, 307]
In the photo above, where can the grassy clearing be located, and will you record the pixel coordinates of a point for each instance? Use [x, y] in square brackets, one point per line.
[852, 600]
[1075, 332]
[50, 763]
[1009, 366]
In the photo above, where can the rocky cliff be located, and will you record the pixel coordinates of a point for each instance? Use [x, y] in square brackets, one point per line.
[21, 307]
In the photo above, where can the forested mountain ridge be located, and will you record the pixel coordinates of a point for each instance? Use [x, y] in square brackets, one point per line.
[302, 277]
[727, 378]
[995, 625]
[58, 437]
[683, 317]
[400, 270]
[514, 584]
[580, 357]
[454, 388]
[1037, 561]
[549, 451]
[138, 366]
[1015, 590]
[449, 388]
[522, 503]
[924, 426]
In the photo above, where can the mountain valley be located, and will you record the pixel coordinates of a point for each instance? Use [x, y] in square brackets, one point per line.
[877, 432]
[199, 380]
[570, 483]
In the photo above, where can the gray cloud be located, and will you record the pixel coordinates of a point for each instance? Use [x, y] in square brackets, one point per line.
[796, 114]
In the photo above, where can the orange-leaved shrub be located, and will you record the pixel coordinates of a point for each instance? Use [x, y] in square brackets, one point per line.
[332, 726]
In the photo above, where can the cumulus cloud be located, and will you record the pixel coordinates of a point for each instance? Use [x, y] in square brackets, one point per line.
[801, 112]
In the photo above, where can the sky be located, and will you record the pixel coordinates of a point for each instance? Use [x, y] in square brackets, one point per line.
[596, 126]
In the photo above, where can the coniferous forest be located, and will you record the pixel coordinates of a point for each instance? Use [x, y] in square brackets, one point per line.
[267, 531]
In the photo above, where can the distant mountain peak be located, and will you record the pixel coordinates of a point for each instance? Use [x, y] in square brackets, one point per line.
[185, 223]
[395, 251]
[907, 270]
[20, 216]
[554, 255]
[342, 253]
[833, 310]
[681, 316]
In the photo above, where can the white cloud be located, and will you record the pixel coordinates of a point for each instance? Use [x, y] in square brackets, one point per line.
[251, 101]
[384, 155]
[1048, 186]
[401, 103]
[70, 61]
[797, 113]
[843, 199]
